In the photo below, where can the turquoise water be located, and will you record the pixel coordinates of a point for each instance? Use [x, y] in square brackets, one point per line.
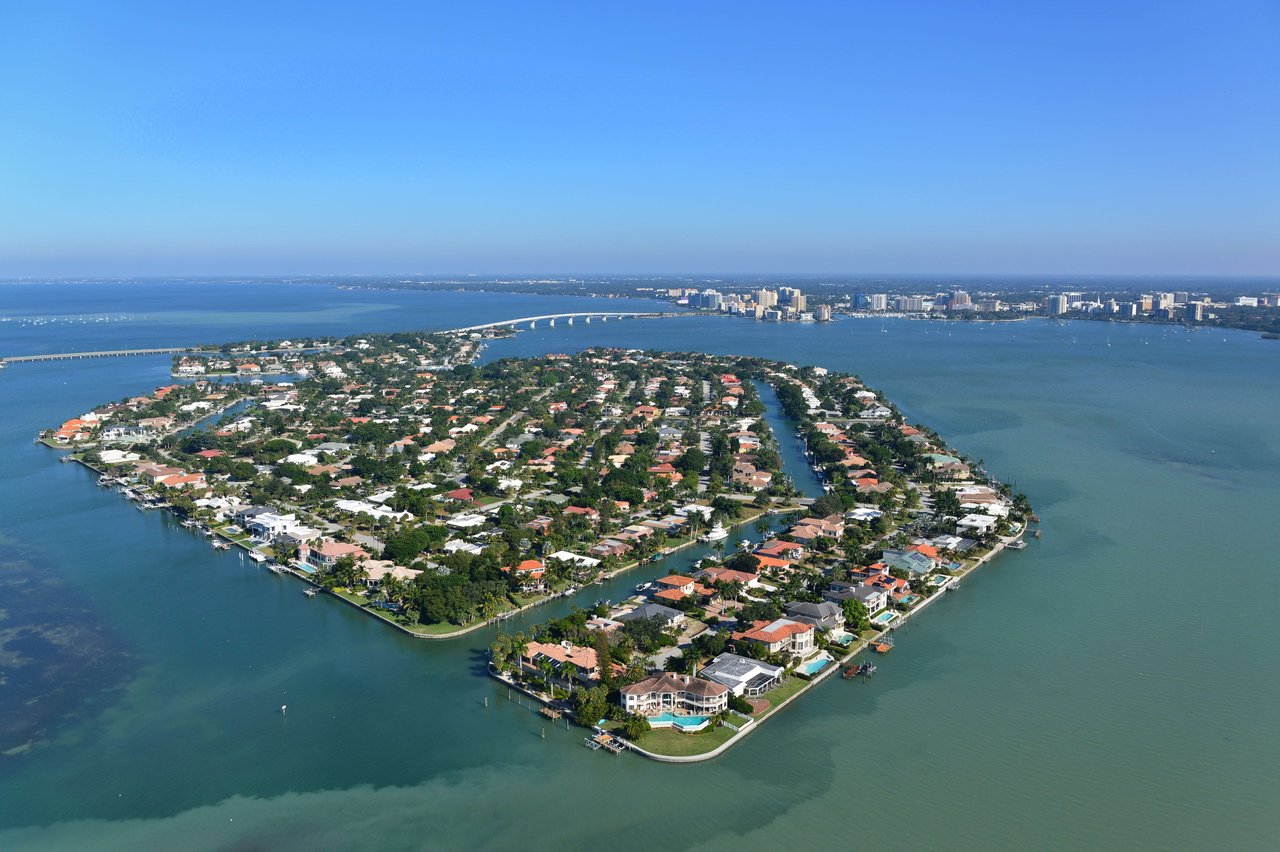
[884, 618]
[1093, 691]
[666, 718]
[814, 666]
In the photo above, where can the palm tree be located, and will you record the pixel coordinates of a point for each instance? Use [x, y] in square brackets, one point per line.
[548, 670]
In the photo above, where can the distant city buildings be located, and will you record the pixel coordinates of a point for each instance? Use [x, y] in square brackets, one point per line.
[790, 304]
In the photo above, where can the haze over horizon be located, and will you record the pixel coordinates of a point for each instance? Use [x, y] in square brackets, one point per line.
[994, 138]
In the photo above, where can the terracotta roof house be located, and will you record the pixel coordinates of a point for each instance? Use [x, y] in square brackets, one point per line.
[326, 554]
[780, 636]
[674, 693]
[571, 662]
[529, 568]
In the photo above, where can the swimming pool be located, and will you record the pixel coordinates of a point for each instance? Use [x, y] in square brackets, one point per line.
[885, 618]
[814, 666]
[910, 599]
[667, 719]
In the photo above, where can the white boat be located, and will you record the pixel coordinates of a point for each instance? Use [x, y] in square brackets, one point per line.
[311, 592]
[716, 533]
[644, 587]
[256, 556]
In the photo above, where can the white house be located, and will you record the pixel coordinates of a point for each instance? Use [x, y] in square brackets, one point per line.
[980, 524]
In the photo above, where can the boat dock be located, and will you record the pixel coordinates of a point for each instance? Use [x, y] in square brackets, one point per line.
[608, 742]
[863, 670]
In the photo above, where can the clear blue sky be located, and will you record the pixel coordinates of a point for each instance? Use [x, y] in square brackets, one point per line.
[856, 136]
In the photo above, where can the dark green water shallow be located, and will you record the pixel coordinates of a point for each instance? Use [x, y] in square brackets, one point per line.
[1112, 686]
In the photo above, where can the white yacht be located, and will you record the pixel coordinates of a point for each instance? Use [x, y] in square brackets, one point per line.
[716, 533]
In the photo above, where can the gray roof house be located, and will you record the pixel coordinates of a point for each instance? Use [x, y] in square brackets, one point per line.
[873, 598]
[823, 616]
[743, 675]
[670, 617]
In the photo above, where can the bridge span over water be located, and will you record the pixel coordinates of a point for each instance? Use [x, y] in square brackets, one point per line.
[586, 316]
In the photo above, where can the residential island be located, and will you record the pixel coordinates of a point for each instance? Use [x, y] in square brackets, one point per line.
[440, 496]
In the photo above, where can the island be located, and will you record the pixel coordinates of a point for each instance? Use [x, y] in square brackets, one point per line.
[440, 495]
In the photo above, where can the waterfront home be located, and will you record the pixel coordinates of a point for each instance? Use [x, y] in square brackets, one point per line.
[979, 524]
[267, 525]
[913, 561]
[604, 625]
[112, 457]
[720, 574]
[378, 570]
[781, 549]
[780, 636]
[152, 474]
[325, 555]
[571, 662]
[742, 675]
[823, 616]
[183, 480]
[530, 568]
[872, 597]
[678, 583]
[671, 618]
[608, 547]
[575, 559]
[808, 529]
[669, 692]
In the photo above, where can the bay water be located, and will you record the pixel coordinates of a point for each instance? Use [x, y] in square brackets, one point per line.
[1110, 686]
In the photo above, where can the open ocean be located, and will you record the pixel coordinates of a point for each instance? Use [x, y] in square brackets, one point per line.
[1109, 687]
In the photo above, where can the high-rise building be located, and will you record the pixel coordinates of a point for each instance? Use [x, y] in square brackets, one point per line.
[1181, 297]
[1055, 306]
[708, 300]
[1194, 311]
[1162, 301]
[878, 301]
[798, 301]
[823, 313]
[767, 298]
[787, 295]
[959, 299]
[909, 304]
[1144, 304]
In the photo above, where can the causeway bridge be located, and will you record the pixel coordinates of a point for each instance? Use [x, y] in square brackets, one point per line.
[532, 322]
[586, 316]
[115, 353]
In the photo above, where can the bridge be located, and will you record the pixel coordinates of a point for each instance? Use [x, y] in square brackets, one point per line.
[115, 353]
[603, 316]
[586, 316]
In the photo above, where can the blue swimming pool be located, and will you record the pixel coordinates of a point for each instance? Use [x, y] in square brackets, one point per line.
[885, 618]
[667, 719]
[814, 666]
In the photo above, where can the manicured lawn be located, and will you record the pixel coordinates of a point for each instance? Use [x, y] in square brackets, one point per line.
[676, 744]
[779, 694]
